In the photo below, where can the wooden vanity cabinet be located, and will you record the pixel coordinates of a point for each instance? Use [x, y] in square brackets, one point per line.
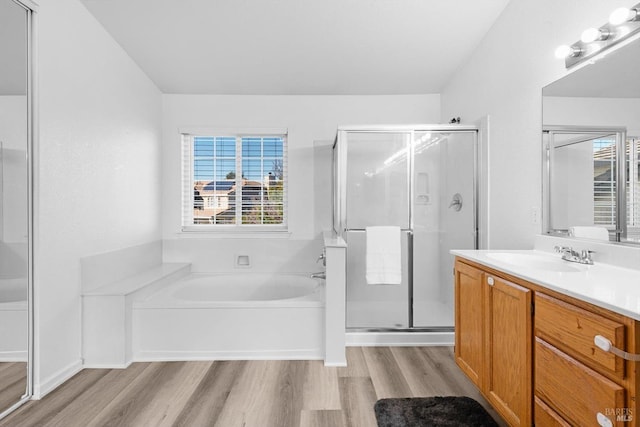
[469, 320]
[493, 340]
[533, 357]
[579, 382]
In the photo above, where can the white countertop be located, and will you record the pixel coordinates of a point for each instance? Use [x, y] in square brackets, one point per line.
[614, 288]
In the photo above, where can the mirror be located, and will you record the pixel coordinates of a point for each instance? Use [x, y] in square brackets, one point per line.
[15, 194]
[591, 138]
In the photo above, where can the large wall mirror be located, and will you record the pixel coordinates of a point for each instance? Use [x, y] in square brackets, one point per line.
[15, 205]
[591, 137]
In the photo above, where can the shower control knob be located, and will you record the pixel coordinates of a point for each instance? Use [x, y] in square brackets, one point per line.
[322, 258]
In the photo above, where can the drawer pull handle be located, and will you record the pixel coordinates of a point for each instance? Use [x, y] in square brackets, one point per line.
[603, 420]
[605, 345]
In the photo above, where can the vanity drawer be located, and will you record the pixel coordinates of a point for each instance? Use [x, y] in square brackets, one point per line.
[575, 390]
[544, 416]
[572, 329]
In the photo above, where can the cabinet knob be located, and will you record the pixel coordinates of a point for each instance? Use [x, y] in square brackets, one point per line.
[490, 281]
[603, 420]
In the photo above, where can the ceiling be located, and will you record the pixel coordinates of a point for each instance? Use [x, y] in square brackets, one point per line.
[283, 47]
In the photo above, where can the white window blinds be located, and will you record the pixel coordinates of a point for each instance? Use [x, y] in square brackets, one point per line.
[234, 181]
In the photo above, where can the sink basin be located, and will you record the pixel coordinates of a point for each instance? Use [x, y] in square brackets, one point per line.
[536, 262]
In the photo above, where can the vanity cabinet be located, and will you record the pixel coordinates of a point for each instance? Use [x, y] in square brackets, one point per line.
[469, 320]
[579, 382]
[533, 356]
[493, 340]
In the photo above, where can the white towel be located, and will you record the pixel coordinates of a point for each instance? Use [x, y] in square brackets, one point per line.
[594, 233]
[383, 259]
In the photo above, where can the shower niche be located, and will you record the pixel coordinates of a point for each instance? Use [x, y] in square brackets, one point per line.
[422, 180]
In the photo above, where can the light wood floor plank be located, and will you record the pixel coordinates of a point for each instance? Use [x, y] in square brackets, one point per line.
[249, 403]
[387, 377]
[320, 389]
[358, 397]
[209, 398]
[88, 405]
[13, 383]
[248, 393]
[155, 397]
[329, 418]
[356, 365]
[38, 412]
[286, 403]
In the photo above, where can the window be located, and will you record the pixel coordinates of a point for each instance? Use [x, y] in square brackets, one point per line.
[234, 181]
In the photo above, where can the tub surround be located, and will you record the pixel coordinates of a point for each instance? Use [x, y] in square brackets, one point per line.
[240, 316]
[107, 314]
[613, 287]
[335, 299]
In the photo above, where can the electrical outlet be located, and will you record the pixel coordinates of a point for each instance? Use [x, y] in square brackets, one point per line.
[535, 215]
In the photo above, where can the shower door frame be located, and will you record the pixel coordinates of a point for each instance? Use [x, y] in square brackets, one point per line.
[339, 200]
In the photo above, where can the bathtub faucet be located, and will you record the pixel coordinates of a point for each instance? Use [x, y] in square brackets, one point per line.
[320, 275]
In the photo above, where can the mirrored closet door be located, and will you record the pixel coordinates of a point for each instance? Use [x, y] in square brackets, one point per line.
[15, 204]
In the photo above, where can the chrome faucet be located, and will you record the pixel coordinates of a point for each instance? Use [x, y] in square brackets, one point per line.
[569, 254]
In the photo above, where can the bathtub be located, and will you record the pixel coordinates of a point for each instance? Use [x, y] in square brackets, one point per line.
[231, 316]
[13, 314]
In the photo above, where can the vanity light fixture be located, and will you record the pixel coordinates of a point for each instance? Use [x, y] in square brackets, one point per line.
[623, 23]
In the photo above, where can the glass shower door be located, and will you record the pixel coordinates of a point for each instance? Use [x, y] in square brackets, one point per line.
[377, 194]
[444, 218]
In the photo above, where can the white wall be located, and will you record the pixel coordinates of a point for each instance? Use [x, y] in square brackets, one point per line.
[98, 171]
[311, 122]
[584, 111]
[504, 79]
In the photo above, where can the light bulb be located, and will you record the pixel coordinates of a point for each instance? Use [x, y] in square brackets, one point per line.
[622, 15]
[590, 35]
[563, 51]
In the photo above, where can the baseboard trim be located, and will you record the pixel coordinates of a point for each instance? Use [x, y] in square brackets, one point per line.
[54, 381]
[106, 365]
[172, 356]
[13, 356]
[400, 339]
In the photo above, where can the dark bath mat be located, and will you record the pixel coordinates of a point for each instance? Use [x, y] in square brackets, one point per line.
[449, 411]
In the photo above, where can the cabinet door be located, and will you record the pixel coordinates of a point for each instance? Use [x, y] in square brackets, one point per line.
[469, 336]
[508, 350]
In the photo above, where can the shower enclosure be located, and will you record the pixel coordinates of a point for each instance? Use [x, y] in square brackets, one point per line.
[421, 179]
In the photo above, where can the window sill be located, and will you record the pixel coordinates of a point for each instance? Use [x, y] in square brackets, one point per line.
[235, 233]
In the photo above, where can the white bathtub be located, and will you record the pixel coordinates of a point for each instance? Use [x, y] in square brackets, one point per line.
[231, 316]
[13, 319]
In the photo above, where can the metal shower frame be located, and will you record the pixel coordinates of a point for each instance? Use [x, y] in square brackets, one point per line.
[339, 201]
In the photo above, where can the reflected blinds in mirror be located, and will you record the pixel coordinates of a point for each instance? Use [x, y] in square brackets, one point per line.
[633, 189]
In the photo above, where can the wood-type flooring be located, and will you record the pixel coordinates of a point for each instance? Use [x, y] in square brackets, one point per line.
[249, 393]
